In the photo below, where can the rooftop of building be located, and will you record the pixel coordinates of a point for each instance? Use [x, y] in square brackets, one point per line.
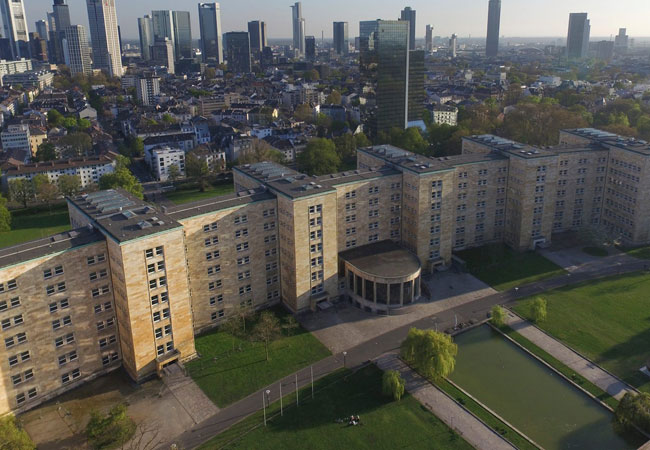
[506, 146]
[384, 259]
[123, 216]
[47, 246]
[60, 164]
[180, 212]
[612, 139]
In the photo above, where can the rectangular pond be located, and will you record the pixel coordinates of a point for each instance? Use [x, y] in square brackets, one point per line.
[532, 397]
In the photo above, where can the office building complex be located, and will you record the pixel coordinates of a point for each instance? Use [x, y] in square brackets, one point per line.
[341, 39]
[162, 54]
[145, 29]
[116, 290]
[77, 53]
[395, 73]
[211, 32]
[494, 25]
[578, 38]
[428, 39]
[107, 54]
[310, 48]
[298, 29]
[15, 27]
[182, 30]
[258, 38]
[239, 51]
[408, 15]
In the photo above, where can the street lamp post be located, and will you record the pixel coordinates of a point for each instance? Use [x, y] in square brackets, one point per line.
[344, 355]
[267, 392]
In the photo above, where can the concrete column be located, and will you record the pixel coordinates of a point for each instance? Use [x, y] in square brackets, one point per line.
[363, 288]
[401, 294]
[388, 295]
[374, 290]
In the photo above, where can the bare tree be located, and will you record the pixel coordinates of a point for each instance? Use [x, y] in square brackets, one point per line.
[146, 437]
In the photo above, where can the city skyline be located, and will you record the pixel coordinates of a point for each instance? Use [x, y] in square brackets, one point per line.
[464, 18]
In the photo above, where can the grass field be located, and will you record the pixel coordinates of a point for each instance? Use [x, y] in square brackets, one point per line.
[386, 424]
[35, 223]
[606, 320]
[227, 376]
[639, 252]
[182, 196]
[503, 268]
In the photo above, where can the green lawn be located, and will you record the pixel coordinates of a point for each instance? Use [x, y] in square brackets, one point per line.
[227, 376]
[386, 424]
[503, 268]
[182, 196]
[638, 252]
[35, 223]
[607, 320]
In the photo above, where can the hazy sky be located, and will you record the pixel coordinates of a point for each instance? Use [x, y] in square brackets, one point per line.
[463, 17]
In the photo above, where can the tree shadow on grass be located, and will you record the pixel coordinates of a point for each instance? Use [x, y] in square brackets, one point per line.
[629, 356]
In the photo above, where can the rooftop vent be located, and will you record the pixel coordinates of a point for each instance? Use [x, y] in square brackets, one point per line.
[144, 225]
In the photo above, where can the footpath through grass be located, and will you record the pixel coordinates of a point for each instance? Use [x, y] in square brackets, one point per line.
[228, 375]
[503, 268]
[606, 320]
[386, 424]
[193, 194]
[35, 223]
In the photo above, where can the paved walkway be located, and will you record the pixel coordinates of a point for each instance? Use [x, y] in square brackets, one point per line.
[190, 396]
[479, 435]
[601, 378]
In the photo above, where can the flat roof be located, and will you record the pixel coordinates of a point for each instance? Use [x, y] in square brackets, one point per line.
[185, 211]
[49, 245]
[384, 259]
[613, 140]
[506, 146]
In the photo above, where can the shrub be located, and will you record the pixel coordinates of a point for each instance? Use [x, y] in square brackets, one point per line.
[393, 384]
[111, 430]
[634, 410]
[498, 318]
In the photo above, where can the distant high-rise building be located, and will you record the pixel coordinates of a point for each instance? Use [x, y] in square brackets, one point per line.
[310, 48]
[147, 87]
[428, 39]
[256, 34]
[621, 41]
[15, 27]
[211, 32]
[408, 14]
[162, 54]
[77, 53]
[105, 38]
[393, 71]
[42, 29]
[37, 47]
[341, 39]
[119, 36]
[298, 28]
[61, 18]
[238, 51]
[604, 50]
[182, 34]
[453, 46]
[145, 28]
[266, 60]
[578, 38]
[265, 36]
[163, 25]
[494, 25]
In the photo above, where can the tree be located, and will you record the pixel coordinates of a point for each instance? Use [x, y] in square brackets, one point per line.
[245, 313]
[45, 191]
[303, 113]
[110, 430]
[197, 169]
[70, 123]
[69, 185]
[431, 352]
[21, 190]
[83, 124]
[210, 73]
[76, 144]
[167, 118]
[124, 179]
[267, 329]
[538, 310]
[334, 98]
[290, 325]
[498, 318]
[5, 215]
[311, 75]
[174, 173]
[319, 157]
[12, 437]
[634, 411]
[393, 384]
[46, 152]
[261, 151]
[54, 118]
[231, 327]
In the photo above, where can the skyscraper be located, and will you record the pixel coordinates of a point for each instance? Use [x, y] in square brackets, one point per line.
[621, 41]
[341, 39]
[494, 25]
[162, 54]
[298, 28]
[210, 24]
[15, 27]
[256, 35]
[453, 46]
[182, 34]
[393, 71]
[428, 39]
[145, 28]
[163, 25]
[238, 51]
[265, 36]
[42, 29]
[77, 53]
[61, 18]
[408, 14]
[102, 18]
[310, 48]
[38, 47]
[578, 38]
